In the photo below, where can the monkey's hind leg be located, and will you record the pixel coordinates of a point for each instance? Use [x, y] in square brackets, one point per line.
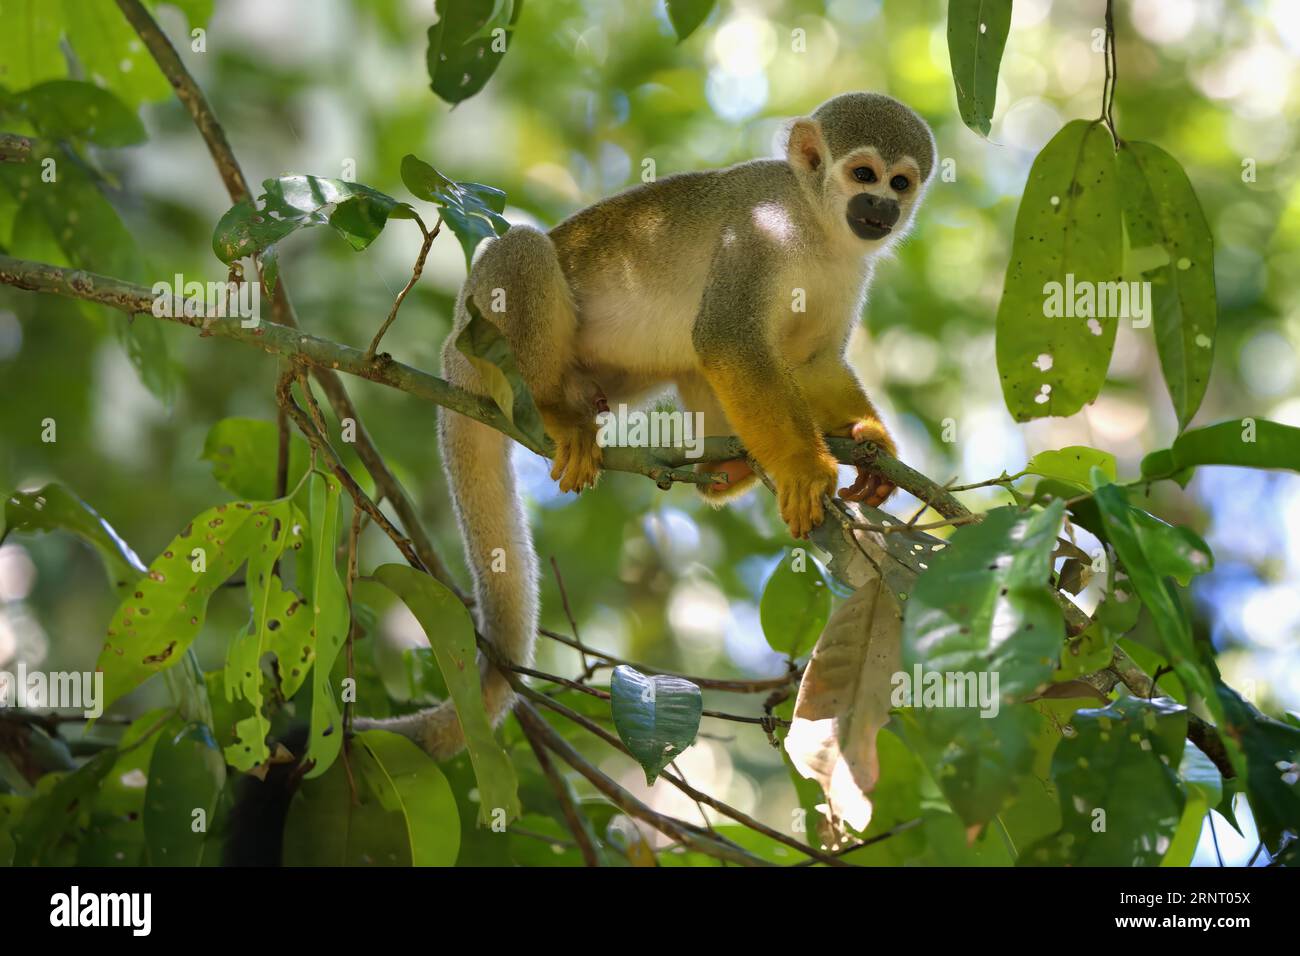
[697, 397]
[518, 285]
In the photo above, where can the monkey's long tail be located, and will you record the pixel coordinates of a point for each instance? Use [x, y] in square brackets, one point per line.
[499, 550]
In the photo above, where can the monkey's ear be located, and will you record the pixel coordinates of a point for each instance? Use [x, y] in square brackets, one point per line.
[807, 150]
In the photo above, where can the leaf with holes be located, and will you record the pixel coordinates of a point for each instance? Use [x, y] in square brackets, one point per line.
[1056, 323]
[328, 612]
[1161, 212]
[657, 717]
[356, 212]
[467, 44]
[1129, 747]
[159, 619]
[977, 34]
[984, 606]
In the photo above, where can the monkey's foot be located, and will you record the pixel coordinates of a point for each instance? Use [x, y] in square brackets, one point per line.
[799, 494]
[577, 456]
[736, 470]
[869, 487]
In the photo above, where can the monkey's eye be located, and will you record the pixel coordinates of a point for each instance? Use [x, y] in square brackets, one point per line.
[899, 183]
[864, 174]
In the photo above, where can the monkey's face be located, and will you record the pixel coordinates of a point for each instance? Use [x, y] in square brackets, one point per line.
[873, 196]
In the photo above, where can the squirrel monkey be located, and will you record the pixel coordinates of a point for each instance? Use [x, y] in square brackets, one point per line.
[691, 281]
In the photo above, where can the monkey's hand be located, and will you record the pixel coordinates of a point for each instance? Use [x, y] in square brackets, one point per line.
[870, 488]
[800, 486]
[577, 453]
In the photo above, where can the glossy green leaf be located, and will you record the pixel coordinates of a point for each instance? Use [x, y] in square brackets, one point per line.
[467, 44]
[70, 109]
[796, 604]
[1053, 346]
[1152, 550]
[55, 508]
[471, 210]
[1072, 464]
[977, 34]
[657, 716]
[1161, 211]
[984, 605]
[330, 620]
[158, 620]
[687, 15]
[409, 782]
[115, 832]
[450, 630]
[1129, 747]
[1250, 443]
[289, 203]
[186, 775]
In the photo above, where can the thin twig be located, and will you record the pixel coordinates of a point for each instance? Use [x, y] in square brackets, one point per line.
[429, 236]
[561, 790]
[587, 669]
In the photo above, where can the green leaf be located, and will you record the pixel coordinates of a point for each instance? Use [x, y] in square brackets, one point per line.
[980, 763]
[111, 52]
[1152, 550]
[56, 811]
[411, 783]
[461, 56]
[158, 620]
[29, 43]
[488, 351]
[472, 210]
[1271, 751]
[1250, 443]
[984, 605]
[450, 630]
[244, 452]
[281, 623]
[1068, 232]
[186, 775]
[326, 826]
[1161, 211]
[977, 34]
[1072, 464]
[1129, 747]
[115, 836]
[70, 109]
[687, 15]
[289, 203]
[796, 604]
[330, 620]
[656, 716]
[1200, 775]
[55, 508]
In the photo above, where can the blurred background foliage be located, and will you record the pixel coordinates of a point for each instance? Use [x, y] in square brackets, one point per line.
[589, 91]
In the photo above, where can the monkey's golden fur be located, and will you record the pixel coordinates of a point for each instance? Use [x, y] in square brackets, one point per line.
[688, 281]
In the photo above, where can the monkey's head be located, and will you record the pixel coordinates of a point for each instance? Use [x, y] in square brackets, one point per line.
[866, 158]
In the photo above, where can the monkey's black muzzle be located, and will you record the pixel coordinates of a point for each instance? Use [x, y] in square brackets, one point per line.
[872, 217]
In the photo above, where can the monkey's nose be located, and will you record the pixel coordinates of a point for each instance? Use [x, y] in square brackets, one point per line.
[878, 210]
